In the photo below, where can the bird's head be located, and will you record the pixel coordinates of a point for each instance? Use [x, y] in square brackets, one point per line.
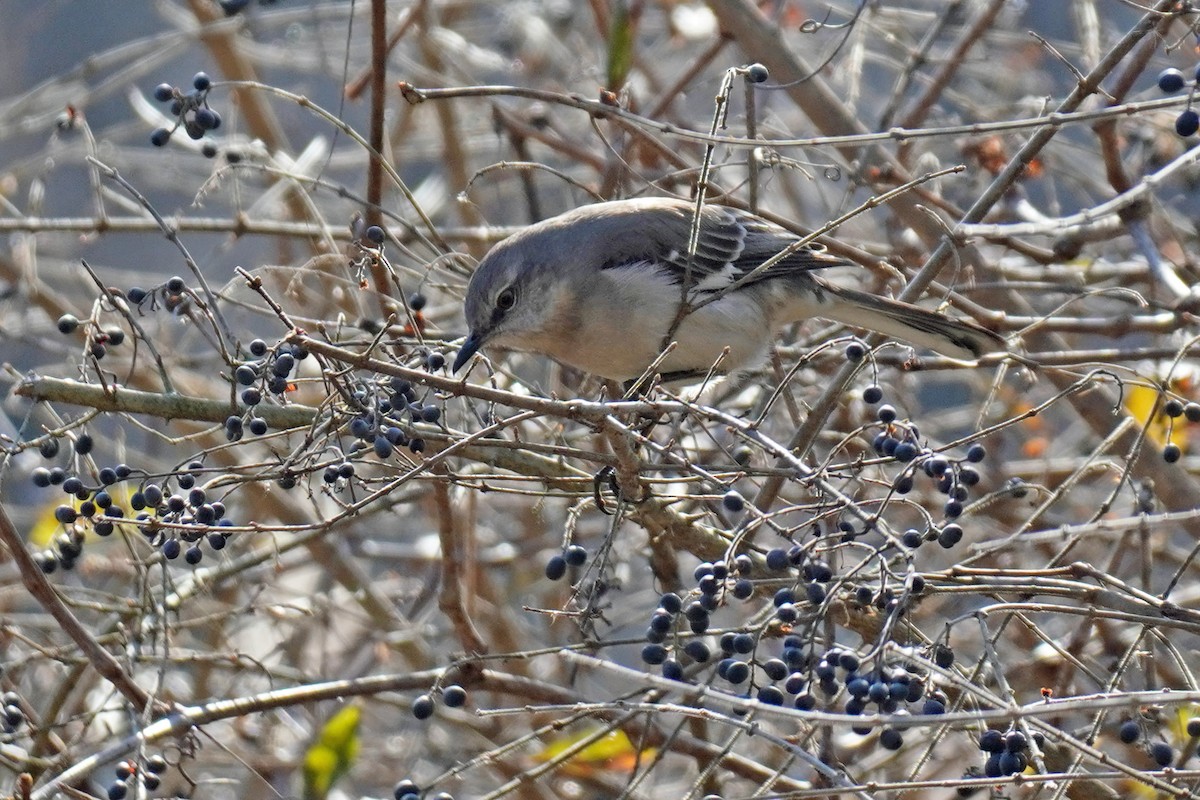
[514, 297]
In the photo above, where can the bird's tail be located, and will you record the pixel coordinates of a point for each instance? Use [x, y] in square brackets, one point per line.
[909, 323]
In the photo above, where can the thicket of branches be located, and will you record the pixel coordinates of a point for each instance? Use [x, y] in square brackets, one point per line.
[260, 542]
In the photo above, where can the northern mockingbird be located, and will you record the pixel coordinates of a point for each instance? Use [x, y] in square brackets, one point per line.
[605, 288]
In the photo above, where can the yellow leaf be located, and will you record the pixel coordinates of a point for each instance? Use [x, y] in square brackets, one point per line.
[1140, 402]
[334, 752]
[612, 752]
[46, 527]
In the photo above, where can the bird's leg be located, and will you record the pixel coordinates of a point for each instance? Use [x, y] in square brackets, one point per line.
[606, 475]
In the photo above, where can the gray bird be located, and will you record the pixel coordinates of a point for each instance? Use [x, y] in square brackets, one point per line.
[601, 289]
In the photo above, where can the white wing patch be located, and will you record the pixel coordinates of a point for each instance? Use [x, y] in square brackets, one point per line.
[715, 281]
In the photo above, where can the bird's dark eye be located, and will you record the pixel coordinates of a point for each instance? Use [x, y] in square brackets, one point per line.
[506, 300]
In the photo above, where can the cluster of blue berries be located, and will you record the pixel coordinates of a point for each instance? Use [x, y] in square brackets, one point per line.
[173, 293]
[156, 510]
[453, 696]
[12, 717]
[382, 408]
[1172, 81]
[1174, 409]
[1008, 753]
[1134, 730]
[952, 477]
[128, 772]
[99, 340]
[96, 509]
[191, 112]
[195, 511]
[268, 371]
[573, 556]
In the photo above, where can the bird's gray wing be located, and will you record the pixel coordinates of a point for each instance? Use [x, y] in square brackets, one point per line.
[730, 245]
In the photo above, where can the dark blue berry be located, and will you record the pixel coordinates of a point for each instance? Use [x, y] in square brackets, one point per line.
[976, 453]
[855, 352]
[48, 448]
[1171, 80]
[943, 656]
[733, 501]
[1129, 731]
[1187, 123]
[201, 81]
[698, 651]
[991, 741]
[422, 706]
[815, 593]
[576, 555]
[206, 118]
[245, 375]
[775, 669]
[375, 234]
[1011, 763]
[933, 706]
[737, 672]
[1162, 753]
[796, 683]
[777, 559]
[757, 73]
[950, 536]
[771, 695]
[556, 568]
[661, 621]
[872, 394]
[454, 696]
[160, 136]
[886, 414]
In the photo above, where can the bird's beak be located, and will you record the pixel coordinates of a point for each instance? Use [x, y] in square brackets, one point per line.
[469, 348]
